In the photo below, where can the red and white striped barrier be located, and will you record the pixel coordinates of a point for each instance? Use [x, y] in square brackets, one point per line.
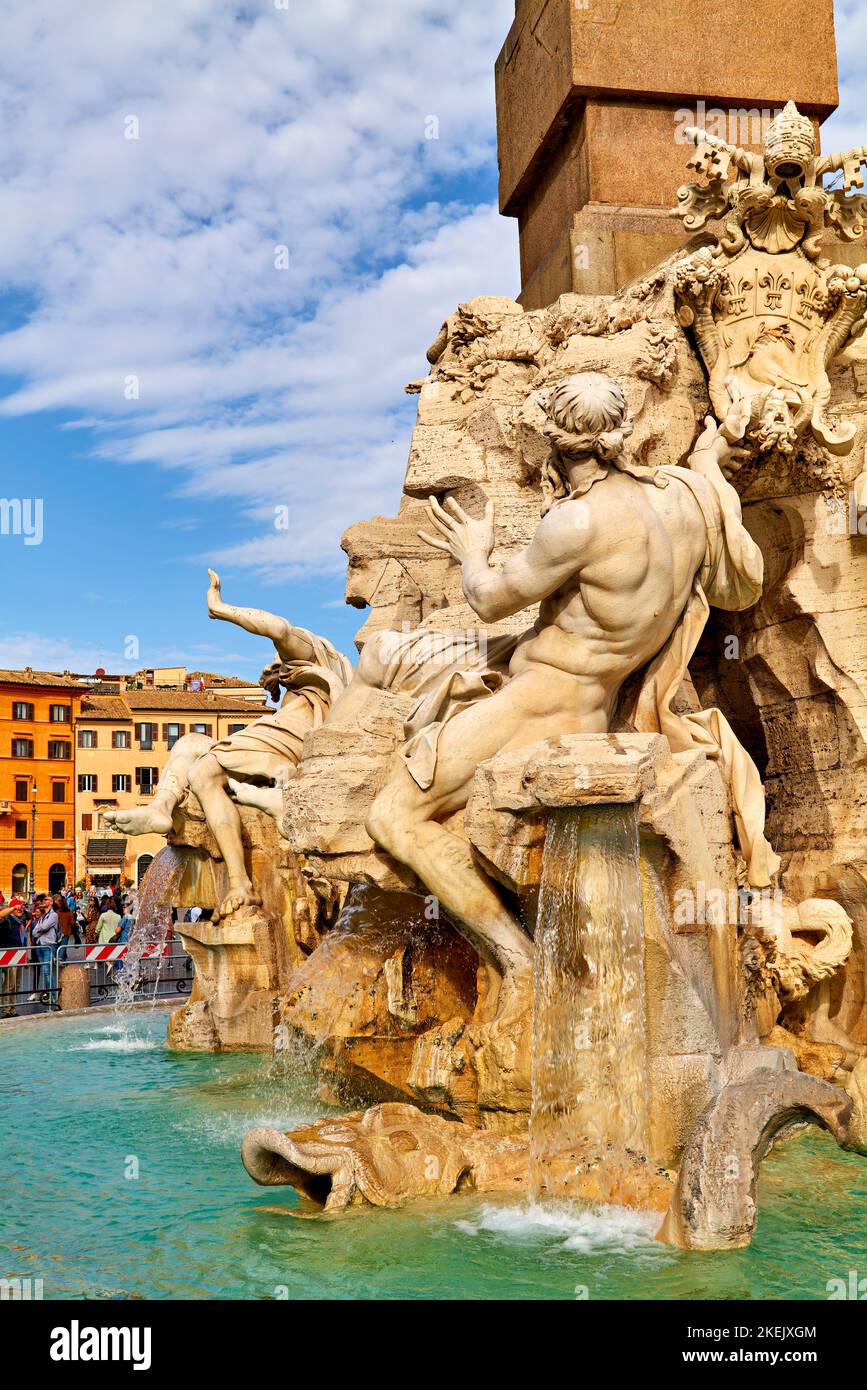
[110, 952]
[14, 955]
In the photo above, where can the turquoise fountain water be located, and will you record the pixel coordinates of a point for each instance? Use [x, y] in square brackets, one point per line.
[80, 1099]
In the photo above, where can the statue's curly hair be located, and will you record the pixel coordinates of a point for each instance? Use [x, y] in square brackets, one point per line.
[587, 414]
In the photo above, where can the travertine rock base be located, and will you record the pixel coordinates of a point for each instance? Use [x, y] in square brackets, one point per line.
[393, 1153]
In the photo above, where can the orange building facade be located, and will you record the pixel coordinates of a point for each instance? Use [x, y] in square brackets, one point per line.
[39, 711]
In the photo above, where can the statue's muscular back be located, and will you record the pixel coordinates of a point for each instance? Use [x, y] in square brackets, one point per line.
[635, 550]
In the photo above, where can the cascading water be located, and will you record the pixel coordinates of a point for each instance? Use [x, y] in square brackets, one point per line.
[153, 919]
[589, 1044]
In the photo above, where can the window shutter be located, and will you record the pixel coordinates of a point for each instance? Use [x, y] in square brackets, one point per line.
[165, 733]
[209, 731]
[138, 732]
[138, 773]
[181, 730]
[87, 821]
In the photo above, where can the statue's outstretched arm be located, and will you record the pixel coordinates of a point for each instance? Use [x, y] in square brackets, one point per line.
[850, 162]
[289, 642]
[552, 557]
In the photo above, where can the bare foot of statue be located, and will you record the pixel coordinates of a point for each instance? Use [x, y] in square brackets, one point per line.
[155, 819]
[267, 799]
[239, 895]
[509, 1001]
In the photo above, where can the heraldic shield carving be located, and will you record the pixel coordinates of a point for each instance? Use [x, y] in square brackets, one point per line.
[769, 312]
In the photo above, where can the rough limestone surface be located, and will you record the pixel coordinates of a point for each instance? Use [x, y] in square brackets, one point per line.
[714, 1204]
[244, 963]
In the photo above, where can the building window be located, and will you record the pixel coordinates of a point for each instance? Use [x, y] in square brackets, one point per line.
[21, 830]
[172, 733]
[22, 747]
[236, 728]
[56, 878]
[121, 782]
[87, 782]
[59, 749]
[58, 829]
[120, 738]
[20, 879]
[146, 779]
[58, 791]
[22, 791]
[145, 735]
[142, 865]
[22, 710]
[60, 714]
[206, 729]
[87, 820]
[87, 738]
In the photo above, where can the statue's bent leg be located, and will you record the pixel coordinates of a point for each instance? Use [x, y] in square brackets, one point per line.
[401, 822]
[208, 780]
[156, 817]
[403, 818]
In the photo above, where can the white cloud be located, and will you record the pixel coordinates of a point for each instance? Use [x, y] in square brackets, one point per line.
[154, 258]
[50, 653]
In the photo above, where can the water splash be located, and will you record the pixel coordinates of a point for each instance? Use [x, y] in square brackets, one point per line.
[153, 922]
[589, 1044]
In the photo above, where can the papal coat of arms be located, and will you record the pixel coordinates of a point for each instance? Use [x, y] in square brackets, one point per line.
[769, 312]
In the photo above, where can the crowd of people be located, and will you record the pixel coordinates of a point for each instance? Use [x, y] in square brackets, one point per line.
[51, 920]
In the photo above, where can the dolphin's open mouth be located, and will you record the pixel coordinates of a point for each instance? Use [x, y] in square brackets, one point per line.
[272, 1159]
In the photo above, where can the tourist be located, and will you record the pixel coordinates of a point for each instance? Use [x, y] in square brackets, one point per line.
[69, 934]
[44, 937]
[109, 925]
[12, 935]
[91, 921]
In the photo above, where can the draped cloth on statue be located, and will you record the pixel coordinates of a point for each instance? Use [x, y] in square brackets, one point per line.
[311, 687]
[476, 668]
[731, 579]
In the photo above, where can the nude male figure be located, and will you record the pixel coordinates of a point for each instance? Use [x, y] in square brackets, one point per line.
[263, 754]
[612, 563]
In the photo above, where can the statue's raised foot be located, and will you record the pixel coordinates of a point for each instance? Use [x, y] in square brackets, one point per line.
[239, 895]
[141, 820]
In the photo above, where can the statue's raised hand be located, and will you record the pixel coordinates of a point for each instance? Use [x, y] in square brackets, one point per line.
[459, 535]
[215, 596]
[714, 446]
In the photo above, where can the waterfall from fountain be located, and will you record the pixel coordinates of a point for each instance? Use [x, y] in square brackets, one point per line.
[153, 919]
[589, 1044]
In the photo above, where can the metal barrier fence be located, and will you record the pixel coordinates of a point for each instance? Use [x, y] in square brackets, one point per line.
[30, 975]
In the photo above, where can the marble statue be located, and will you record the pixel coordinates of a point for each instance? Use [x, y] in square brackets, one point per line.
[312, 673]
[624, 564]
[561, 725]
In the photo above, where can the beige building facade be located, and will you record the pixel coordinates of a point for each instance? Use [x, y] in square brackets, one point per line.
[122, 744]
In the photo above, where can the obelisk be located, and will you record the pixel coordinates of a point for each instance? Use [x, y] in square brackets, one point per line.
[593, 98]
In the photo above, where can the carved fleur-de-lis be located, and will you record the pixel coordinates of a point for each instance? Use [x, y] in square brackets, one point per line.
[811, 295]
[774, 284]
[738, 295]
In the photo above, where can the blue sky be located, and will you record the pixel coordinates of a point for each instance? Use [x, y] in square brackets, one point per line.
[167, 387]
